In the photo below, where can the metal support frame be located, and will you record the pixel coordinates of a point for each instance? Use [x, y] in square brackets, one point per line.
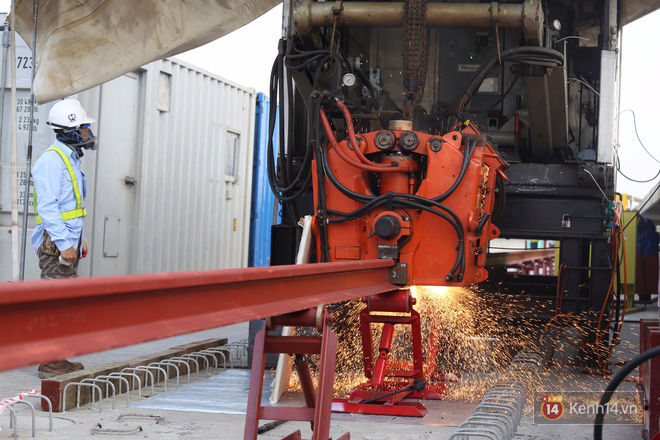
[48, 320]
[540, 197]
[390, 380]
[562, 202]
[649, 374]
[318, 402]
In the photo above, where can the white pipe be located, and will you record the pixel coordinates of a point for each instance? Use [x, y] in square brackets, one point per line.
[28, 165]
[3, 80]
[14, 153]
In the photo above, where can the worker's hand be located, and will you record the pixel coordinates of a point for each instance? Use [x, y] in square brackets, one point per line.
[85, 248]
[70, 254]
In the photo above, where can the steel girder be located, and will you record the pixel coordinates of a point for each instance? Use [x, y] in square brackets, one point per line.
[47, 320]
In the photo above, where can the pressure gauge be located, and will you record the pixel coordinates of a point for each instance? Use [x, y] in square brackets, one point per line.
[349, 80]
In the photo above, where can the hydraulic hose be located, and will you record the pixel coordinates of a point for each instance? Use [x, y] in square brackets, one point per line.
[304, 174]
[613, 385]
[353, 139]
[467, 156]
[523, 54]
[313, 108]
[378, 168]
[402, 200]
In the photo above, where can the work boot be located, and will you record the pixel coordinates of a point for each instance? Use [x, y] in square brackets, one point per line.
[51, 369]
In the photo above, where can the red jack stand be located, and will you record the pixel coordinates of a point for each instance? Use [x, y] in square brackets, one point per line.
[649, 373]
[318, 402]
[393, 380]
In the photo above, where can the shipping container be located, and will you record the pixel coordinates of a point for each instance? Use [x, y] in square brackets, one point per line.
[169, 187]
[264, 213]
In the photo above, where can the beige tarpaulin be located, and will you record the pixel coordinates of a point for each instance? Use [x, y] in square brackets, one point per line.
[631, 10]
[83, 43]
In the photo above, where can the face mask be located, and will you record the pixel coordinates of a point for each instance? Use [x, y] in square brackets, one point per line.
[88, 140]
[77, 139]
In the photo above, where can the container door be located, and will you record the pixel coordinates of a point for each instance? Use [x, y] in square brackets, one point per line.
[116, 179]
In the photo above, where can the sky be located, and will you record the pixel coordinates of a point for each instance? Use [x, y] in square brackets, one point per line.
[246, 56]
[640, 93]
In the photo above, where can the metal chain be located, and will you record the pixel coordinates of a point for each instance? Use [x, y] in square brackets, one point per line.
[484, 191]
[415, 54]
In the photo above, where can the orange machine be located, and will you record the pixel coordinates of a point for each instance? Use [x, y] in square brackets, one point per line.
[424, 200]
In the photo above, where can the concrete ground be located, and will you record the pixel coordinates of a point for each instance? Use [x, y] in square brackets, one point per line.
[185, 419]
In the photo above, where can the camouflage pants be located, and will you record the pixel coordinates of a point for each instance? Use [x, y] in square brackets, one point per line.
[49, 261]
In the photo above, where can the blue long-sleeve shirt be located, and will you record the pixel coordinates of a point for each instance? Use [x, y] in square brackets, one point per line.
[55, 195]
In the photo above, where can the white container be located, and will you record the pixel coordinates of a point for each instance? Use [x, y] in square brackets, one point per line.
[168, 188]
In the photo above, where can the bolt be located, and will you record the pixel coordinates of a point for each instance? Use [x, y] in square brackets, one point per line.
[436, 144]
[409, 140]
[384, 140]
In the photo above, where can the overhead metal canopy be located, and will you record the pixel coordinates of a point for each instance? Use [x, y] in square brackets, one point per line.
[631, 10]
[84, 43]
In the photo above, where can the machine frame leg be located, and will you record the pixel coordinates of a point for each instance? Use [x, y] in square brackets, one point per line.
[387, 375]
[318, 402]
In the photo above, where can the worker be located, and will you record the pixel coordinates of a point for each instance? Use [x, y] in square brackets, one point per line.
[59, 194]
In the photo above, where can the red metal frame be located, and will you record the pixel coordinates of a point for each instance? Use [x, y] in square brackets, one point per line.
[649, 373]
[318, 402]
[46, 320]
[387, 375]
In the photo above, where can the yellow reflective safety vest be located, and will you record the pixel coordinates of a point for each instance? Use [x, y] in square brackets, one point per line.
[80, 211]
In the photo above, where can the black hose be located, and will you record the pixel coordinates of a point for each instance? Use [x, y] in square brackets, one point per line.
[523, 54]
[459, 263]
[501, 200]
[418, 385]
[304, 174]
[405, 200]
[480, 227]
[500, 99]
[322, 211]
[467, 155]
[616, 381]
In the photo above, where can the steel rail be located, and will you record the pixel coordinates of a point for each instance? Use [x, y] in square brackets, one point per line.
[56, 319]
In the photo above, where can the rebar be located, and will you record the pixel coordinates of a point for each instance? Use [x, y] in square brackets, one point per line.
[106, 382]
[502, 407]
[161, 364]
[194, 356]
[216, 350]
[148, 372]
[81, 384]
[133, 376]
[185, 361]
[50, 408]
[119, 379]
[12, 418]
[207, 356]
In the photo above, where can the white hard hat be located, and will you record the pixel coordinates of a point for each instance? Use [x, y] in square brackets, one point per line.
[68, 113]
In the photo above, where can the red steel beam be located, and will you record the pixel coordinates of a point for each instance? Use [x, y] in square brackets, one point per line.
[55, 319]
